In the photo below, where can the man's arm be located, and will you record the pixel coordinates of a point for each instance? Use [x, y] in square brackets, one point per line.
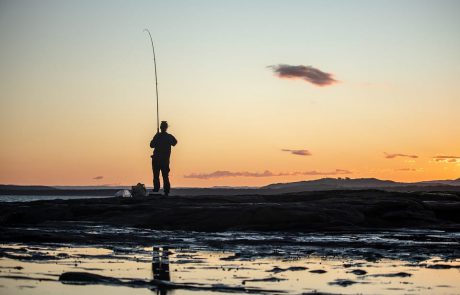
[153, 142]
[173, 140]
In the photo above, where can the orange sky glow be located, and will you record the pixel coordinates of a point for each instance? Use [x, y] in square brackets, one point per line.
[363, 98]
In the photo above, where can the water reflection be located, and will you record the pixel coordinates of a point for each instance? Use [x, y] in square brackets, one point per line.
[26, 269]
[160, 267]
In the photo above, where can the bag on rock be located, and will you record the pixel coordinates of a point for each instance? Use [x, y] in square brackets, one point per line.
[139, 190]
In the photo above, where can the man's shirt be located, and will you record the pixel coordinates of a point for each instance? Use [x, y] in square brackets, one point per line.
[161, 143]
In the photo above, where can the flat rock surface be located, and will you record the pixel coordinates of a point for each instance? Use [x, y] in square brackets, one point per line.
[361, 210]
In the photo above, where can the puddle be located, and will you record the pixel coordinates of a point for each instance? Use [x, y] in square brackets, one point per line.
[200, 269]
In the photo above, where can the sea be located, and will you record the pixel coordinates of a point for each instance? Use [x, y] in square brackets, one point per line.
[30, 198]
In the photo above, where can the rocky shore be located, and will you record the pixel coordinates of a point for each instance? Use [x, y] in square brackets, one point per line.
[361, 210]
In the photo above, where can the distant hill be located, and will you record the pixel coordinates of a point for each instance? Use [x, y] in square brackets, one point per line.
[323, 184]
[335, 183]
[361, 183]
[455, 182]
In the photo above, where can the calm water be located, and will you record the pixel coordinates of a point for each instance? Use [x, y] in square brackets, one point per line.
[26, 269]
[386, 262]
[29, 198]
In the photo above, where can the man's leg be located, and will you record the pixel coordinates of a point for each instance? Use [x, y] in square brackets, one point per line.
[165, 174]
[156, 176]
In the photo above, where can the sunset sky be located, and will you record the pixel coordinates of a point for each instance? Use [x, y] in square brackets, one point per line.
[256, 92]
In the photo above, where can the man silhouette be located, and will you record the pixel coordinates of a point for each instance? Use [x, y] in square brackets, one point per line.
[161, 143]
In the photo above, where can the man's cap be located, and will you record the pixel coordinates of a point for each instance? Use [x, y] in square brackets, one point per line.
[163, 124]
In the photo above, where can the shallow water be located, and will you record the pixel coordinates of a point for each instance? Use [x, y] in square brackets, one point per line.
[30, 198]
[403, 244]
[201, 269]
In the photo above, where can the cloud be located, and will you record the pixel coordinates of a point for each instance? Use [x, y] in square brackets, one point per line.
[307, 73]
[314, 172]
[266, 173]
[298, 152]
[221, 174]
[98, 177]
[392, 156]
[449, 159]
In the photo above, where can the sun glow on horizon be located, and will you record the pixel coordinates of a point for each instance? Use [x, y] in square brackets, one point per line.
[77, 93]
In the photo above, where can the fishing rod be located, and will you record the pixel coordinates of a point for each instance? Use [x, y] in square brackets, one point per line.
[156, 79]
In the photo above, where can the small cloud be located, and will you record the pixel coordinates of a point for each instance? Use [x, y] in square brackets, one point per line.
[224, 173]
[307, 73]
[98, 177]
[314, 172]
[392, 156]
[448, 159]
[266, 173]
[298, 152]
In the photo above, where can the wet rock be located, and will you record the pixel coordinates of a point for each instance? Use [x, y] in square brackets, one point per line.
[342, 282]
[318, 271]
[373, 256]
[441, 266]
[296, 268]
[86, 277]
[231, 257]
[186, 261]
[358, 272]
[90, 278]
[276, 269]
[305, 211]
[392, 275]
[292, 268]
[269, 279]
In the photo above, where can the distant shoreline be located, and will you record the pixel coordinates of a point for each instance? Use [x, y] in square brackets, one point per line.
[323, 184]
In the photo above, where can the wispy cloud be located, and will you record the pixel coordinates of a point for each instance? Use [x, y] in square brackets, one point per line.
[298, 152]
[98, 177]
[392, 156]
[307, 73]
[225, 173]
[266, 173]
[449, 159]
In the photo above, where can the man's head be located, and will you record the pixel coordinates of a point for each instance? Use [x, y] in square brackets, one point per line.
[163, 126]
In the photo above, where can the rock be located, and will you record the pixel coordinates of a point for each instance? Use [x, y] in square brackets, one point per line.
[358, 272]
[123, 194]
[269, 279]
[318, 271]
[292, 268]
[392, 275]
[441, 266]
[342, 282]
[86, 277]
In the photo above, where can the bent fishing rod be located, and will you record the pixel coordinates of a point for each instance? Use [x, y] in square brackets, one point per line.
[156, 79]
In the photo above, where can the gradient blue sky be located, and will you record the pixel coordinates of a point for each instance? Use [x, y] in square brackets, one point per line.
[77, 99]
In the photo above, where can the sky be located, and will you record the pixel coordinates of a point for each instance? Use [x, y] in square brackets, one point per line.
[256, 92]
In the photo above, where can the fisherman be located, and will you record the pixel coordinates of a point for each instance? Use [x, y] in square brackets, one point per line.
[161, 143]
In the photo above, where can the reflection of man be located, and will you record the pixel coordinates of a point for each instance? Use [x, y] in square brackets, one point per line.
[161, 143]
[160, 264]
